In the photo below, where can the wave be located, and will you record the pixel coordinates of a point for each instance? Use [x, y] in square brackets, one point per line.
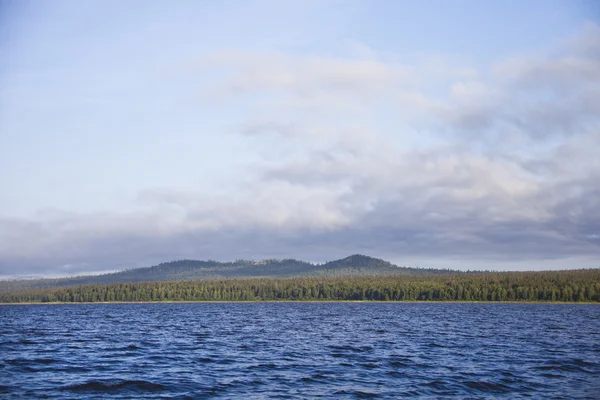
[115, 385]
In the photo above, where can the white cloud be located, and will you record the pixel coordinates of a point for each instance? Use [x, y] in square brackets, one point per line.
[514, 173]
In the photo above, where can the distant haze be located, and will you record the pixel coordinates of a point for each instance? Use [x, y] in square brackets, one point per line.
[443, 134]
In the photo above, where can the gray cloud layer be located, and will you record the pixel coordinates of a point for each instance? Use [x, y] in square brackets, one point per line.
[512, 172]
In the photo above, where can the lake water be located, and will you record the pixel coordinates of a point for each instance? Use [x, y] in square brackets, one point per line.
[300, 350]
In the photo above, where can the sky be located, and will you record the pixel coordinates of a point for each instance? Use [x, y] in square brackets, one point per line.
[458, 134]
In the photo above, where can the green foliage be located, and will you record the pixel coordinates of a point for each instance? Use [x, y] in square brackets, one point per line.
[356, 265]
[566, 286]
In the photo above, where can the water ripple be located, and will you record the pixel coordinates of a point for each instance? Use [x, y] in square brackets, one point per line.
[300, 350]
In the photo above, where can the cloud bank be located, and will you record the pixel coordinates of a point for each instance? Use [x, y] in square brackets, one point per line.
[420, 162]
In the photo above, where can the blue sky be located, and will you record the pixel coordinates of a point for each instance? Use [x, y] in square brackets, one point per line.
[460, 134]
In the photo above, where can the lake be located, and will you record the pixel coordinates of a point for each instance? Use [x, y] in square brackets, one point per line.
[300, 350]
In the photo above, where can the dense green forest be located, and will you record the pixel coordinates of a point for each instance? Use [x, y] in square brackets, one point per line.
[352, 266]
[568, 286]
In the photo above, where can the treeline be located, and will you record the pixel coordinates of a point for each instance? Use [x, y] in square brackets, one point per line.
[547, 286]
[356, 265]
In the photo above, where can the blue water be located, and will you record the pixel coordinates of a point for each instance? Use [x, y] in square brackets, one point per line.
[300, 350]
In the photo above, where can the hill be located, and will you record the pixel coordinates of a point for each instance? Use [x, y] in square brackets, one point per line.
[539, 286]
[183, 270]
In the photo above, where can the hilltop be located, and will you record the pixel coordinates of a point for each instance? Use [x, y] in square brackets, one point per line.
[356, 265]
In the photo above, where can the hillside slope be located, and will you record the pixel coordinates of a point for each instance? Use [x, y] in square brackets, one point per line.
[182, 270]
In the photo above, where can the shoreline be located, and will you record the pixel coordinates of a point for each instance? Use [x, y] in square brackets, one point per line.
[304, 301]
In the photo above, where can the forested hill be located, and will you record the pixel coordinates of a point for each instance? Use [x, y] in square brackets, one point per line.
[546, 286]
[353, 266]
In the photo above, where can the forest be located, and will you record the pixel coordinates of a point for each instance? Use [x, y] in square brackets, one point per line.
[546, 286]
[189, 270]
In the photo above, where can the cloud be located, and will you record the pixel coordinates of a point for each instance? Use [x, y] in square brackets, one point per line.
[349, 165]
[248, 72]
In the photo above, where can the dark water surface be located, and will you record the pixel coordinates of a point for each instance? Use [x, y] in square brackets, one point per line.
[300, 350]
